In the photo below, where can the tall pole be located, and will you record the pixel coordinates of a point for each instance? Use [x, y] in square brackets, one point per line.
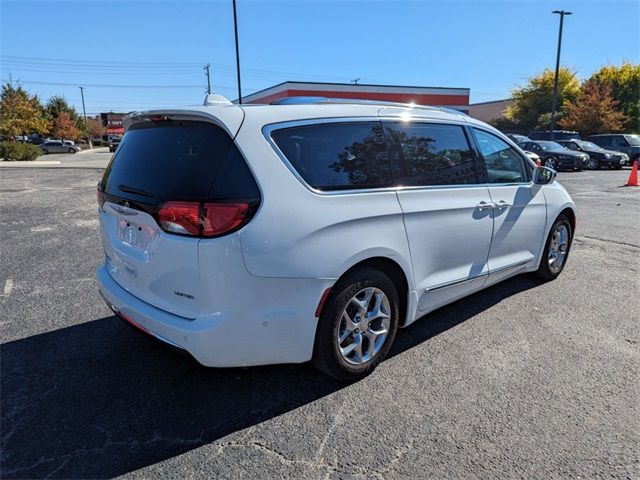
[235, 28]
[554, 104]
[206, 69]
[84, 114]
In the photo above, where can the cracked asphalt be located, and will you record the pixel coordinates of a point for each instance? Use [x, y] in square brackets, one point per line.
[524, 380]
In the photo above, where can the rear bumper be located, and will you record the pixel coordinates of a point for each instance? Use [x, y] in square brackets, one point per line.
[280, 329]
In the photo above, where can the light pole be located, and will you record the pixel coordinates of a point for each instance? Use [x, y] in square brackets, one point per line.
[235, 28]
[84, 113]
[554, 104]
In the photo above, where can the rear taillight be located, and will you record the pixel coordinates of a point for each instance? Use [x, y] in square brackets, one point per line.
[202, 219]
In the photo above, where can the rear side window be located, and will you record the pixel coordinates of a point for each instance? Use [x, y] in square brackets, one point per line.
[337, 156]
[177, 160]
[430, 154]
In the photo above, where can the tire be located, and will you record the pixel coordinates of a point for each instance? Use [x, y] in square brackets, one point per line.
[545, 270]
[71, 150]
[45, 151]
[329, 354]
[551, 162]
[592, 164]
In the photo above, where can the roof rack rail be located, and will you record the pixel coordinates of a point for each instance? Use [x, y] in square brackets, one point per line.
[358, 101]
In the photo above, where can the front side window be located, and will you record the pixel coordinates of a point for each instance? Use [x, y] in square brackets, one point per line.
[502, 162]
[424, 154]
[337, 156]
[619, 141]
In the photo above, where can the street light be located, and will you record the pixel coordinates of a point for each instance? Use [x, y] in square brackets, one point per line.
[562, 13]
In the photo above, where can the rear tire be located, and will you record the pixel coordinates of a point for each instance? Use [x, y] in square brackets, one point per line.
[555, 249]
[71, 150]
[360, 329]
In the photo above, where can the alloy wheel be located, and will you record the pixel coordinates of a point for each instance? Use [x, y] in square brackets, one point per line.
[592, 164]
[558, 248]
[550, 162]
[364, 326]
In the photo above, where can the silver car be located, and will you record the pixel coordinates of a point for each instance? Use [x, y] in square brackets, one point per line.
[58, 146]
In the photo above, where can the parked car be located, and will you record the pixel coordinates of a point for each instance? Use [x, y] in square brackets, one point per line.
[113, 143]
[625, 143]
[535, 158]
[557, 135]
[22, 139]
[250, 235]
[554, 155]
[598, 156]
[517, 139]
[58, 146]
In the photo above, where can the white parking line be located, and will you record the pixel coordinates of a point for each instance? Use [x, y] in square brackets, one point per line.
[8, 286]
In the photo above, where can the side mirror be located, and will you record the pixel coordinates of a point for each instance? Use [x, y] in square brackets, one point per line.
[543, 175]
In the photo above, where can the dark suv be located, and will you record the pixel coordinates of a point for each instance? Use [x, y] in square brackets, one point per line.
[619, 142]
[598, 156]
[557, 135]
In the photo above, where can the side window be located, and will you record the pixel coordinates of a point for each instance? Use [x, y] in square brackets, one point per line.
[571, 146]
[430, 154]
[603, 141]
[337, 156]
[619, 141]
[503, 163]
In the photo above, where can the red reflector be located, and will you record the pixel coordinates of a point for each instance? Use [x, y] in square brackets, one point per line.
[323, 299]
[201, 219]
[128, 319]
[222, 217]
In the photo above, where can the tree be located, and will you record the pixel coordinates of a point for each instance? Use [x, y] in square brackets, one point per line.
[64, 127]
[624, 82]
[531, 108]
[57, 105]
[594, 111]
[20, 113]
[95, 127]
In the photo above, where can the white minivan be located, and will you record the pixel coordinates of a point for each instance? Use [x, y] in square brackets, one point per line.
[313, 229]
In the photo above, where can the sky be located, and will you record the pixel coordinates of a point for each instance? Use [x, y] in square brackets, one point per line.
[138, 54]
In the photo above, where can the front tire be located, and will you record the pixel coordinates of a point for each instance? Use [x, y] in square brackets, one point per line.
[357, 325]
[71, 150]
[556, 249]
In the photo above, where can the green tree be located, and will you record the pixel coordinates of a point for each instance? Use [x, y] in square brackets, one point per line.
[624, 82]
[57, 105]
[594, 111]
[20, 113]
[531, 108]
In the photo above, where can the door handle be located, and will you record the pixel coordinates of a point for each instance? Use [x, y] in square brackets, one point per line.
[502, 204]
[482, 206]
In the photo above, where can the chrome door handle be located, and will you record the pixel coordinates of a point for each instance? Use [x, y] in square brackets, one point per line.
[502, 204]
[485, 206]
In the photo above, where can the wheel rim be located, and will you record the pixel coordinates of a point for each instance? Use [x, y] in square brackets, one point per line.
[558, 248]
[364, 326]
[593, 164]
[551, 163]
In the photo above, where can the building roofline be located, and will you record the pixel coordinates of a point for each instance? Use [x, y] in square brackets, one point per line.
[491, 101]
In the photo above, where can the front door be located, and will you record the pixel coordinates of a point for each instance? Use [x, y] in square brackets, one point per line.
[447, 213]
[519, 212]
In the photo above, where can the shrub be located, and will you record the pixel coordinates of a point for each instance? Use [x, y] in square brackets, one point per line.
[19, 151]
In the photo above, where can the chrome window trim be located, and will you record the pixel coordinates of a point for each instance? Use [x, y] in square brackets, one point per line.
[268, 129]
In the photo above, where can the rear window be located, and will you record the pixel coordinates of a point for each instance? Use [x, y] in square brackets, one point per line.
[430, 154]
[177, 160]
[337, 156]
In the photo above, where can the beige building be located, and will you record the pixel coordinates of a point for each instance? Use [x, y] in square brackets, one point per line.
[486, 111]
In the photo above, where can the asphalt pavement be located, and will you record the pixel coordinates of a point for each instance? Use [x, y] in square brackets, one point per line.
[524, 379]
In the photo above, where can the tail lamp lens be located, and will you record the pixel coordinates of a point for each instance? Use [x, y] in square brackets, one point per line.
[201, 219]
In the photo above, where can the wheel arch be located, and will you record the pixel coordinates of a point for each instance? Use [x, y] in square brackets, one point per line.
[397, 275]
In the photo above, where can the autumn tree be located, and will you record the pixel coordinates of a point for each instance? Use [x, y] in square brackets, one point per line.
[624, 84]
[20, 113]
[64, 127]
[531, 108]
[95, 127]
[57, 105]
[593, 111]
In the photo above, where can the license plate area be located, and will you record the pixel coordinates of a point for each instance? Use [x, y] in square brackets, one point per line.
[135, 235]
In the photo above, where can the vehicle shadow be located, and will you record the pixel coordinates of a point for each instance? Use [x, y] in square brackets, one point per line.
[95, 400]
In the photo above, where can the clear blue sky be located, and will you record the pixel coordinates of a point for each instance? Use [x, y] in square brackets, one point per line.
[487, 46]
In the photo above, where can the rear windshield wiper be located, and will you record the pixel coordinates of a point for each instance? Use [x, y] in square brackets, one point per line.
[137, 191]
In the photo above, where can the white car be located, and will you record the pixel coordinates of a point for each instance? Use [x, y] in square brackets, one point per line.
[261, 234]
